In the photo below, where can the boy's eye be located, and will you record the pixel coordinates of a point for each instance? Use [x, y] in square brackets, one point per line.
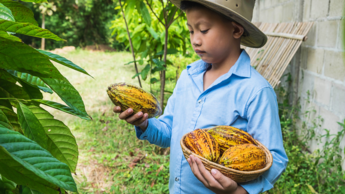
[204, 31]
[191, 32]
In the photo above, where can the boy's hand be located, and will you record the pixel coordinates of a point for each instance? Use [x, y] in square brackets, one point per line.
[216, 181]
[139, 119]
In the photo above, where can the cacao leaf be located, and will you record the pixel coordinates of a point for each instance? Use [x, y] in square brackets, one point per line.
[63, 61]
[4, 75]
[31, 80]
[13, 90]
[20, 12]
[152, 32]
[21, 57]
[7, 184]
[27, 190]
[169, 52]
[26, 163]
[5, 13]
[63, 108]
[36, 1]
[61, 142]
[12, 118]
[33, 92]
[31, 126]
[27, 29]
[4, 34]
[4, 120]
[145, 13]
[145, 71]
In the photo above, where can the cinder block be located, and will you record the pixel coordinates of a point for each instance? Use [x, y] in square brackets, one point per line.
[288, 12]
[319, 8]
[312, 59]
[306, 10]
[306, 83]
[327, 33]
[336, 8]
[311, 41]
[330, 121]
[278, 14]
[322, 90]
[334, 65]
[341, 35]
[338, 102]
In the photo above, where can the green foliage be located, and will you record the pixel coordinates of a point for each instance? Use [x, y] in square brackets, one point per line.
[317, 172]
[37, 152]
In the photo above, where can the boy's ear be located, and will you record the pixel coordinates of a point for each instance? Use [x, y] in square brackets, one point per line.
[238, 30]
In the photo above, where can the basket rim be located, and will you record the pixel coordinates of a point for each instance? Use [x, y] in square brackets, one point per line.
[269, 159]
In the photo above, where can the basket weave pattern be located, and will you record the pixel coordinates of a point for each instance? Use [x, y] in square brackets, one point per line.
[236, 175]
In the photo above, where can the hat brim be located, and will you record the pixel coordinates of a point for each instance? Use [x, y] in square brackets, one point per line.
[255, 38]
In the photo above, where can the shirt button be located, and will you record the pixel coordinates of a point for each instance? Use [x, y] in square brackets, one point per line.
[176, 179]
[199, 101]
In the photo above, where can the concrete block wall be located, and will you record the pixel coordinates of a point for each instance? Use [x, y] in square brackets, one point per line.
[318, 67]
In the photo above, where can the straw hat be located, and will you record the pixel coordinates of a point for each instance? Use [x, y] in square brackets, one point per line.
[240, 11]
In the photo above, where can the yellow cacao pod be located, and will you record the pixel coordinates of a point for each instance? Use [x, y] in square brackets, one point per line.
[129, 96]
[245, 157]
[228, 136]
[203, 144]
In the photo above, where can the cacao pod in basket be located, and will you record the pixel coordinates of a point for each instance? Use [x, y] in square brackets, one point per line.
[245, 157]
[228, 136]
[129, 96]
[203, 144]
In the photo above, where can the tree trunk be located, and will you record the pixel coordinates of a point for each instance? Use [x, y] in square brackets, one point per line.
[165, 65]
[43, 42]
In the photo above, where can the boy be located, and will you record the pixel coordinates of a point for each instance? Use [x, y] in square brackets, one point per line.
[220, 89]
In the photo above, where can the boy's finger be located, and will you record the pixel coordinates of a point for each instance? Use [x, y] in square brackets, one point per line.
[135, 118]
[212, 182]
[117, 109]
[126, 114]
[196, 171]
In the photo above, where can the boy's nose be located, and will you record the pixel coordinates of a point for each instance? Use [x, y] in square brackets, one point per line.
[196, 41]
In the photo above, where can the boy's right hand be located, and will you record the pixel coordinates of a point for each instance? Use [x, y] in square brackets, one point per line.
[139, 119]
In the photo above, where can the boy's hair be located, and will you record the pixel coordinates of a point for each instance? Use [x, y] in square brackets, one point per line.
[188, 5]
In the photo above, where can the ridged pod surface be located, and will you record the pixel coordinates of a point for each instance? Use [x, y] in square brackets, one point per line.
[129, 96]
[245, 157]
[228, 136]
[203, 144]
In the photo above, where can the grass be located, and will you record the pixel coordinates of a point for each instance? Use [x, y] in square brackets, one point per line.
[111, 158]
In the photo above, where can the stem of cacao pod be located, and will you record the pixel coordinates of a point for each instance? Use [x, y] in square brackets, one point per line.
[130, 42]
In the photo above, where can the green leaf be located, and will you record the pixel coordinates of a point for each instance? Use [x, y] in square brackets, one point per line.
[171, 14]
[32, 91]
[136, 75]
[13, 90]
[31, 126]
[26, 163]
[20, 12]
[6, 35]
[138, 29]
[145, 13]
[27, 190]
[4, 75]
[31, 80]
[68, 94]
[21, 57]
[4, 120]
[63, 108]
[152, 32]
[27, 29]
[12, 118]
[35, 1]
[5, 13]
[7, 184]
[145, 71]
[61, 142]
[169, 51]
[63, 61]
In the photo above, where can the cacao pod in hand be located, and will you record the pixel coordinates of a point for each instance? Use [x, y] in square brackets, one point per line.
[245, 157]
[203, 144]
[129, 96]
[228, 136]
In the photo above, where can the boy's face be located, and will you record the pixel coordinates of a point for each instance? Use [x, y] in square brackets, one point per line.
[211, 36]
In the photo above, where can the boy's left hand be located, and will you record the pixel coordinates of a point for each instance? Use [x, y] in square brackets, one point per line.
[216, 181]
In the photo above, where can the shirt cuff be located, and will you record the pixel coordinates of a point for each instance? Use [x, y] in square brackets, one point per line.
[143, 135]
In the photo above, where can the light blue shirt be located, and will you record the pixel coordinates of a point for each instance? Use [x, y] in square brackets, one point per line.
[241, 98]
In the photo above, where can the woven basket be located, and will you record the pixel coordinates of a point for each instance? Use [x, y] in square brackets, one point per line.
[236, 175]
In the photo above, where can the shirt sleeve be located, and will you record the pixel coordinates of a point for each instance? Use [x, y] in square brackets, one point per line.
[264, 126]
[158, 131]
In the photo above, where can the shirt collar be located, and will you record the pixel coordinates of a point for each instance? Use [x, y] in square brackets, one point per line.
[241, 68]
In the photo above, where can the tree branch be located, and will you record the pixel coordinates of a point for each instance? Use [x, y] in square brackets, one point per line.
[154, 12]
[176, 18]
[130, 42]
